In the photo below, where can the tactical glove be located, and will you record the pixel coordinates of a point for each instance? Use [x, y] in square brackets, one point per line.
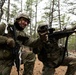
[10, 42]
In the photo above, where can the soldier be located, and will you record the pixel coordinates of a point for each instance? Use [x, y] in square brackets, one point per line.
[50, 53]
[7, 43]
[5, 55]
[28, 57]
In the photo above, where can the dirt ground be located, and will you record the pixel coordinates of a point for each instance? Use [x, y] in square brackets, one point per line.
[38, 68]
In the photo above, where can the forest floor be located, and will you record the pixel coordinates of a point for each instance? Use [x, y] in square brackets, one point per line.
[38, 67]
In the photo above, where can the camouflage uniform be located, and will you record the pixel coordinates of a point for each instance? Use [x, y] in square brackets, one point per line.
[5, 54]
[28, 57]
[50, 54]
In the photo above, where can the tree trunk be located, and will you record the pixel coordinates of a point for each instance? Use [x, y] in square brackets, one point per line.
[21, 6]
[52, 14]
[35, 18]
[1, 10]
[59, 13]
[8, 11]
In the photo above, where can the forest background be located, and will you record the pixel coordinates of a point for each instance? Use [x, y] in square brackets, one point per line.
[59, 14]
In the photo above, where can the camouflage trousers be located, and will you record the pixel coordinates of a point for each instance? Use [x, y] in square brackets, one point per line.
[5, 67]
[28, 59]
[68, 61]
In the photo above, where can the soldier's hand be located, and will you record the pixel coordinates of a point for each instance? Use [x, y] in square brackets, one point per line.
[10, 42]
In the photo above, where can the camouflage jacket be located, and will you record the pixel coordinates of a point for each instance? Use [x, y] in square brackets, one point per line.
[5, 50]
[49, 52]
[3, 43]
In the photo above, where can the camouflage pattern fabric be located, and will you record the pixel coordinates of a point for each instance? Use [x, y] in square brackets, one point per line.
[2, 28]
[49, 54]
[6, 62]
[6, 66]
[5, 54]
[28, 59]
[68, 61]
[48, 71]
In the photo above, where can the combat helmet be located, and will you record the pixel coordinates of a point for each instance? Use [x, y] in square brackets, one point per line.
[19, 16]
[42, 28]
[23, 15]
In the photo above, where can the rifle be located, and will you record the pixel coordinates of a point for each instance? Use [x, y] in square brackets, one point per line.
[61, 34]
[16, 50]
